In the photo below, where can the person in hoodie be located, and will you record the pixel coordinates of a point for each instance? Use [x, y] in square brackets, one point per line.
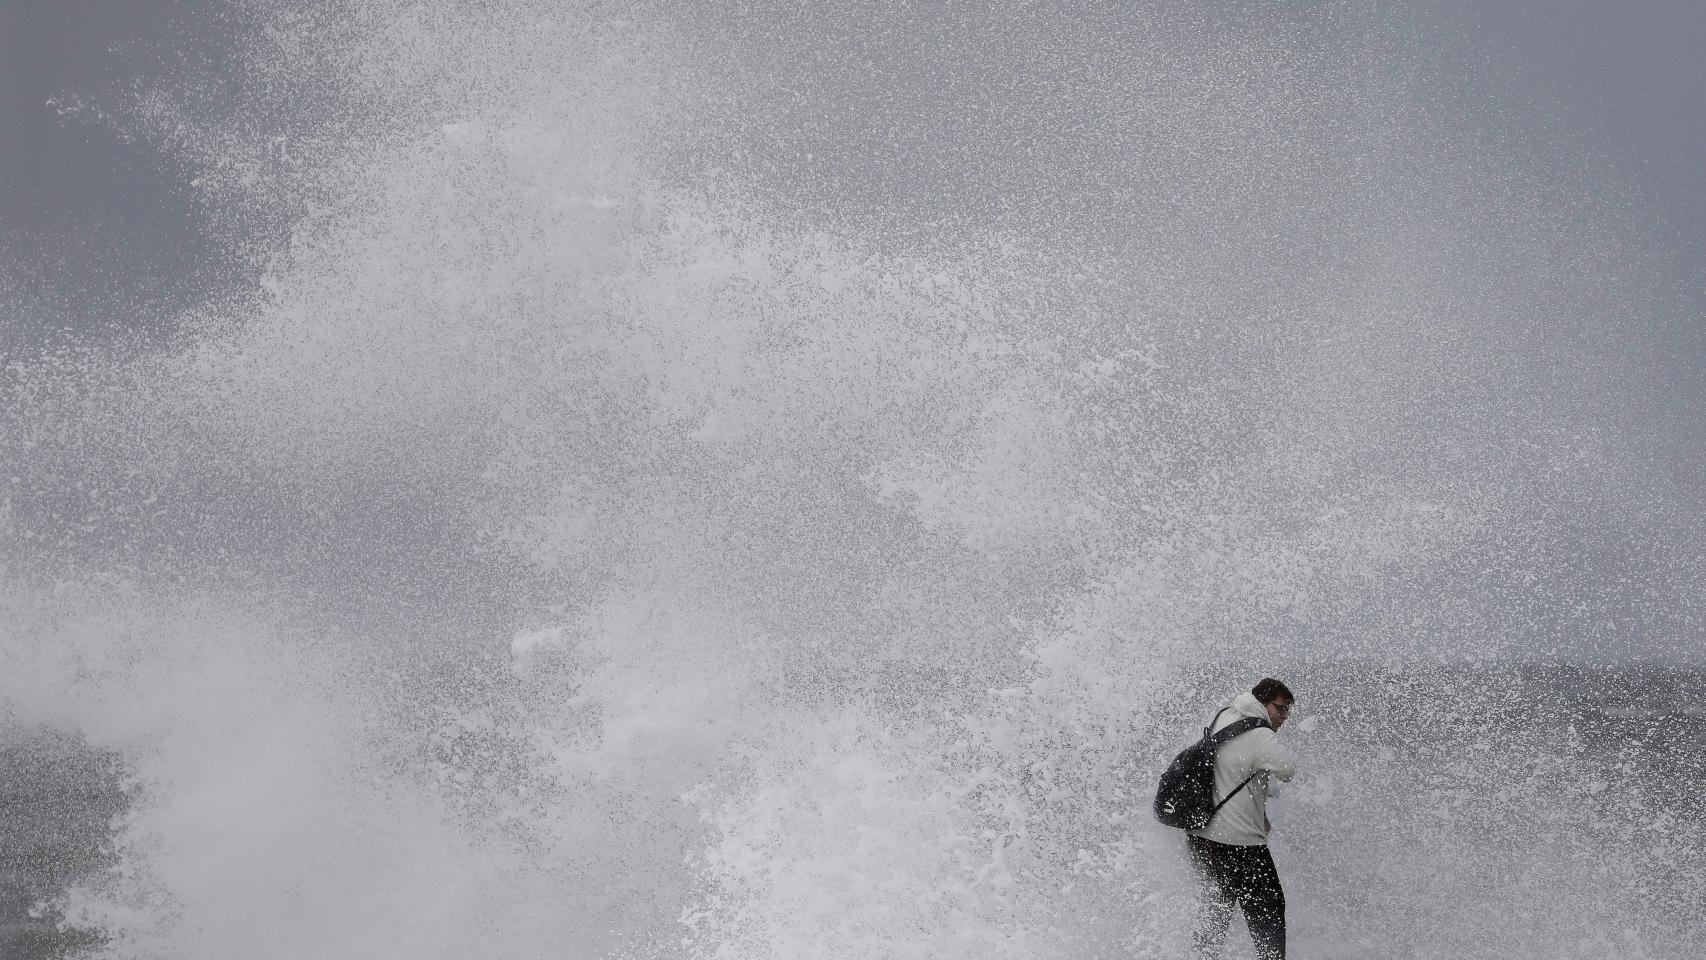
[1230, 854]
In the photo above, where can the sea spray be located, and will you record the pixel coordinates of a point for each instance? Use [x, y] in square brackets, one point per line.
[578, 544]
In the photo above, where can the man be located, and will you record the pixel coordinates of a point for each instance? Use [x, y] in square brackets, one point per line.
[1230, 854]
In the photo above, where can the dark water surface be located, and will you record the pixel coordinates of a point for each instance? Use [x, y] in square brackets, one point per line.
[58, 799]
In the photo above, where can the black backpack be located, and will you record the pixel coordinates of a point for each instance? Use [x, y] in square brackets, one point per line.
[1185, 798]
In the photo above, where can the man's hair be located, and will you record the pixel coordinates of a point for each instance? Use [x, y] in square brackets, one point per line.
[1268, 689]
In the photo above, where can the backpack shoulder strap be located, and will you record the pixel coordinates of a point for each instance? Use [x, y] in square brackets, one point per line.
[1237, 727]
[1208, 731]
[1230, 795]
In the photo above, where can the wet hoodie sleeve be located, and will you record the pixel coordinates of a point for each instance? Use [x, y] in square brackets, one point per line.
[1272, 756]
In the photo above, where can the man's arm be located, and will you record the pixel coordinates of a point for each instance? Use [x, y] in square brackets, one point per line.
[1274, 758]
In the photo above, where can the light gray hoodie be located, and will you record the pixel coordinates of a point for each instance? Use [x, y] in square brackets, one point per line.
[1243, 821]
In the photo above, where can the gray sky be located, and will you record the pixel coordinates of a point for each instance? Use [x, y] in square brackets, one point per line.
[100, 235]
[103, 235]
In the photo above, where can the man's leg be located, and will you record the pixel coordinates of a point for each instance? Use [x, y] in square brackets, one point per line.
[1263, 900]
[1214, 907]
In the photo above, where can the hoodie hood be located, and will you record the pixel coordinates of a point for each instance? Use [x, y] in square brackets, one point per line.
[1246, 705]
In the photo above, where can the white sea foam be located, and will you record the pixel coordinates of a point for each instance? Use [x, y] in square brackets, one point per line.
[589, 541]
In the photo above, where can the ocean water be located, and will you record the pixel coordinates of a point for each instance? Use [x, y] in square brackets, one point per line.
[779, 482]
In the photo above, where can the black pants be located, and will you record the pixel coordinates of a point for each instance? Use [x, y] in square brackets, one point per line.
[1244, 875]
